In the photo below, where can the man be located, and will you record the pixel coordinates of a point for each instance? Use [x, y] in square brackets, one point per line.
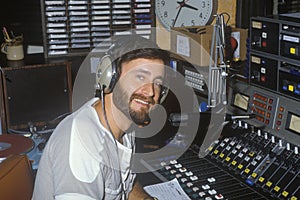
[89, 154]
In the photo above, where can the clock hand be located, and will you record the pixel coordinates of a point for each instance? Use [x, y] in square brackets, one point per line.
[176, 16]
[184, 4]
[189, 6]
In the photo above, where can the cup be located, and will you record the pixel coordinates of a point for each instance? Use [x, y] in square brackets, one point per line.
[12, 51]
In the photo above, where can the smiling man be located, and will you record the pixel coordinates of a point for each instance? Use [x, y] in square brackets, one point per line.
[89, 154]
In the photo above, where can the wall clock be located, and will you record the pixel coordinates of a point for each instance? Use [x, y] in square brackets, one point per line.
[185, 12]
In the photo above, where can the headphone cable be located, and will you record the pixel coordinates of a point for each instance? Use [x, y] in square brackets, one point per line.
[115, 141]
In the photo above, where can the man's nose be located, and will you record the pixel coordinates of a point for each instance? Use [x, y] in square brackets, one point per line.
[148, 89]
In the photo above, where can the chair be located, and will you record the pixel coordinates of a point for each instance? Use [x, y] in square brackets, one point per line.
[16, 178]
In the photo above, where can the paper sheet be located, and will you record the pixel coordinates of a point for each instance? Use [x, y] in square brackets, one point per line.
[167, 191]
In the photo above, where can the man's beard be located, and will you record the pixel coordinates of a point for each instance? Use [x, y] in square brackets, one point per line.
[120, 99]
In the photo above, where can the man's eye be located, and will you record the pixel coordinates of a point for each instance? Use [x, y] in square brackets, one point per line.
[140, 77]
[158, 84]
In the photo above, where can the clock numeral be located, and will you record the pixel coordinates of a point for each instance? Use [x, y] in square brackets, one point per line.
[201, 15]
[203, 4]
[166, 14]
[193, 22]
[163, 3]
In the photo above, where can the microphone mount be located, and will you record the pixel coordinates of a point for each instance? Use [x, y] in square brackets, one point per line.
[217, 65]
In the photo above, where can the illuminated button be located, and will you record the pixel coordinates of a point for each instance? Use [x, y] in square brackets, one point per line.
[201, 194]
[269, 183]
[264, 44]
[247, 171]
[285, 193]
[216, 151]
[210, 148]
[297, 92]
[211, 180]
[284, 87]
[219, 196]
[227, 159]
[291, 88]
[269, 107]
[178, 175]
[194, 178]
[261, 179]
[276, 188]
[189, 184]
[280, 116]
[247, 158]
[251, 154]
[183, 180]
[233, 162]
[281, 109]
[195, 189]
[294, 198]
[263, 79]
[173, 162]
[221, 155]
[182, 169]
[268, 115]
[270, 101]
[292, 50]
[254, 175]
[178, 165]
[267, 121]
[205, 187]
[189, 173]
[212, 192]
[240, 166]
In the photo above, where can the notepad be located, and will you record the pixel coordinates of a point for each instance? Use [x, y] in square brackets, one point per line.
[167, 191]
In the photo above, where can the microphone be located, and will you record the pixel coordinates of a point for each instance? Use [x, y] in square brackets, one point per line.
[176, 118]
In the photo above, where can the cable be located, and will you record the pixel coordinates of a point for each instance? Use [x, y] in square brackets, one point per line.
[115, 141]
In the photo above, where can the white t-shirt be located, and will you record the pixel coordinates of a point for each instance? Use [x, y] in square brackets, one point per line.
[81, 161]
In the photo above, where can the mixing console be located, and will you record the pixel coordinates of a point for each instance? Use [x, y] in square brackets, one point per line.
[255, 158]
[249, 166]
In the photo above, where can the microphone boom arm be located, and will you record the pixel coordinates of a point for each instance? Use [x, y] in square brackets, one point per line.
[217, 65]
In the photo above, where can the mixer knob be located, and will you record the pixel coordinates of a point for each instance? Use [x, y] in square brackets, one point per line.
[273, 139]
[288, 146]
[259, 132]
[280, 143]
[296, 150]
[240, 123]
[266, 135]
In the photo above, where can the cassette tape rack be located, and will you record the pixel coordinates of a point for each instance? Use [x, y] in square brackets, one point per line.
[75, 27]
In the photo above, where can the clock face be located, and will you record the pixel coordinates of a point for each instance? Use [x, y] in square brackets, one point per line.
[185, 12]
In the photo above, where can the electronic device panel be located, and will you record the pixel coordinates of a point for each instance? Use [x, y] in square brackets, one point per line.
[275, 53]
[257, 158]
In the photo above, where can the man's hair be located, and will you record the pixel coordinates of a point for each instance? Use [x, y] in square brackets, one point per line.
[132, 47]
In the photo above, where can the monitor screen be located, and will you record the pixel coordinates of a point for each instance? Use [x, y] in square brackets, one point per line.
[241, 101]
[36, 94]
[293, 123]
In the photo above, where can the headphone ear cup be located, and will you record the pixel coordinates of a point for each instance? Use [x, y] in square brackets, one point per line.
[106, 74]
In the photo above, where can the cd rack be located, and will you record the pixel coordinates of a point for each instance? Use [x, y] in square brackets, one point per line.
[75, 27]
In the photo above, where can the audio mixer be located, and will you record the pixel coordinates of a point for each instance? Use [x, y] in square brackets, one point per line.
[256, 158]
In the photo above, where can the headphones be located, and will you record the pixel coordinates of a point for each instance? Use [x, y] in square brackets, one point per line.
[108, 71]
